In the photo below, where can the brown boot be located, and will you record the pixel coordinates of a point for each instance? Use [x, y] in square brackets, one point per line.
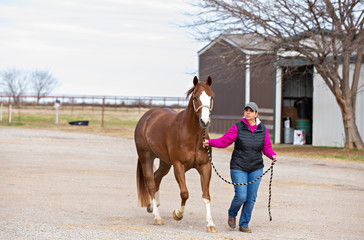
[245, 229]
[231, 222]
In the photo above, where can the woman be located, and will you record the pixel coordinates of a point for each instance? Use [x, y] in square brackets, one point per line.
[251, 139]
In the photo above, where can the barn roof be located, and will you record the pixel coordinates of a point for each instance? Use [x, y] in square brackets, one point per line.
[248, 44]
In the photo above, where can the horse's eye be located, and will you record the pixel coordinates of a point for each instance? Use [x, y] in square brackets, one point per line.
[195, 98]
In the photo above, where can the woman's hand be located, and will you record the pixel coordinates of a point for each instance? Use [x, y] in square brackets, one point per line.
[274, 158]
[205, 143]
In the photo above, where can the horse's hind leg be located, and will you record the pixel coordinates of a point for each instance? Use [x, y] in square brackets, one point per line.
[146, 161]
[158, 175]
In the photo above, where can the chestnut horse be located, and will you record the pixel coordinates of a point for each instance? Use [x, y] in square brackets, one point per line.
[176, 139]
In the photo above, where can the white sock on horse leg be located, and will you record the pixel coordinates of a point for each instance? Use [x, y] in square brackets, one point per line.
[157, 199]
[208, 212]
[155, 210]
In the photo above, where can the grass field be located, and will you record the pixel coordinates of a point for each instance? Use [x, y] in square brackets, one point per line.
[121, 122]
[118, 122]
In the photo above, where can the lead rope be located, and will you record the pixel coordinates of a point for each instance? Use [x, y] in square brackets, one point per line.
[269, 169]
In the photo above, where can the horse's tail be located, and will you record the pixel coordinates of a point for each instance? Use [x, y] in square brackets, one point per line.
[143, 195]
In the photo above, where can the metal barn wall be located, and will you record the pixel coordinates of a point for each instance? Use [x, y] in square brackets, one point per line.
[225, 65]
[327, 126]
[262, 87]
[262, 80]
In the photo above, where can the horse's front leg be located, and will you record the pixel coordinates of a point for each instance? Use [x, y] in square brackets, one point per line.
[205, 174]
[179, 174]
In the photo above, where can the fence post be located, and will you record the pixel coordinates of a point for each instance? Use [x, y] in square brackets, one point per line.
[9, 113]
[103, 109]
[116, 104]
[72, 100]
[57, 104]
[83, 103]
[56, 121]
[139, 105]
[93, 103]
[19, 114]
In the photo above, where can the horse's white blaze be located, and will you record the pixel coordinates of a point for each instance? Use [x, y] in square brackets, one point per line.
[155, 210]
[205, 112]
[208, 213]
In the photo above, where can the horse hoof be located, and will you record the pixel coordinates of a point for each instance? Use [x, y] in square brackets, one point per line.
[158, 222]
[149, 208]
[176, 217]
[211, 229]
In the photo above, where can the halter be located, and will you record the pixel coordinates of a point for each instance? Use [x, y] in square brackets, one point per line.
[201, 106]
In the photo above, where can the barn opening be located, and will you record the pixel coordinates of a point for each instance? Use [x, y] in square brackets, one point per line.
[297, 93]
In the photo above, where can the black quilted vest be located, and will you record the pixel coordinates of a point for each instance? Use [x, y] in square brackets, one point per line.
[247, 154]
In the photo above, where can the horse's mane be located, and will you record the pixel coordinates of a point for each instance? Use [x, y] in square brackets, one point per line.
[189, 92]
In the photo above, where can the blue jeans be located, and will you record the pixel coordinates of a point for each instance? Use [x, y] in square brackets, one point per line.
[244, 195]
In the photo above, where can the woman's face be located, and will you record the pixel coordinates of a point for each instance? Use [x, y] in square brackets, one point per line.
[249, 114]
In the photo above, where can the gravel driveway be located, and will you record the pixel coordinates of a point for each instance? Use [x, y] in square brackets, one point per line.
[59, 185]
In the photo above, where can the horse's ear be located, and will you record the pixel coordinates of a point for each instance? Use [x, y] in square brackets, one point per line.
[195, 81]
[209, 81]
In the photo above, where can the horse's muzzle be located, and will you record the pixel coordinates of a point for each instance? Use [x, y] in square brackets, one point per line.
[204, 124]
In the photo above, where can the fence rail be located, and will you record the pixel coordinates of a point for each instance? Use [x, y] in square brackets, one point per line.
[14, 105]
[222, 123]
[128, 101]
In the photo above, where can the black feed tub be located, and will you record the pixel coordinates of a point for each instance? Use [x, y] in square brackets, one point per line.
[79, 123]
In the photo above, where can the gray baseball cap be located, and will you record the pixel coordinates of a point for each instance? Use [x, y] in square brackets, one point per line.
[252, 105]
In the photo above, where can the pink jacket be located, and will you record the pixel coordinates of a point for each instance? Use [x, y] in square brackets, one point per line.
[230, 137]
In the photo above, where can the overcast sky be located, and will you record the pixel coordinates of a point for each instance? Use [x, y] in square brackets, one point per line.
[102, 47]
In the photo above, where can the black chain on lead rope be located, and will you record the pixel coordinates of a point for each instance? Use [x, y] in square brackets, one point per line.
[269, 169]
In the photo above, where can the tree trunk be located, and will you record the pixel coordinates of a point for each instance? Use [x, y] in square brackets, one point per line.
[352, 136]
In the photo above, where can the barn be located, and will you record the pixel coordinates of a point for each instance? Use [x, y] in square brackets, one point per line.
[290, 94]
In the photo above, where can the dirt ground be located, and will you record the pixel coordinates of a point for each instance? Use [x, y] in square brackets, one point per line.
[61, 185]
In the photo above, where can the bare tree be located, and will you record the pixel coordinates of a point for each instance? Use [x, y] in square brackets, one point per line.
[328, 34]
[14, 82]
[43, 83]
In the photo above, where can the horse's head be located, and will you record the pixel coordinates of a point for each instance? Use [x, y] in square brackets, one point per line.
[202, 100]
